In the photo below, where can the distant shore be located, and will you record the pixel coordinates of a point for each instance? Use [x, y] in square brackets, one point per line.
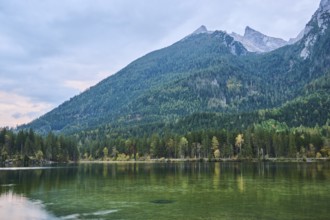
[172, 160]
[166, 160]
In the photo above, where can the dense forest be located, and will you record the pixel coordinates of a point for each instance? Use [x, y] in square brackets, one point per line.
[26, 147]
[289, 131]
[267, 139]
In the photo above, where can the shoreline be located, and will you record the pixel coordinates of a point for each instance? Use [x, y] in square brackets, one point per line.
[206, 160]
[172, 160]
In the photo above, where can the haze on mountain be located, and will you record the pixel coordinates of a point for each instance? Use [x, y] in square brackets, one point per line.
[210, 72]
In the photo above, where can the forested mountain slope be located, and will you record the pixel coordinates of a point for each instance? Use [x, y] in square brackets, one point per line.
[206, 72]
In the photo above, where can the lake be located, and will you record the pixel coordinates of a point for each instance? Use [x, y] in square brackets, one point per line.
[167, 191]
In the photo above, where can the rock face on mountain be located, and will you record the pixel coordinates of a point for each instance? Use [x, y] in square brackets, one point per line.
[298, 38]
[204, 72]
[255, 41]
[317, 27]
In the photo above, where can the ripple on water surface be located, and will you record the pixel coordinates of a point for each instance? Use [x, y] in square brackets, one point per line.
[98, 213]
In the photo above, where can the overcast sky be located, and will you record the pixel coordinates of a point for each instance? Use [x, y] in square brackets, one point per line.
[51, 50]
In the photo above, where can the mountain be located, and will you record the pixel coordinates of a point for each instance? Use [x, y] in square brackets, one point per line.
[208, 73]
[255, 41]
[113, 100]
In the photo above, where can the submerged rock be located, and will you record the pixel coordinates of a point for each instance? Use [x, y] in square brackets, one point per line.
[162, 201]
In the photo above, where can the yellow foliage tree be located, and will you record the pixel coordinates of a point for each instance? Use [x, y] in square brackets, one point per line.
[239, 141]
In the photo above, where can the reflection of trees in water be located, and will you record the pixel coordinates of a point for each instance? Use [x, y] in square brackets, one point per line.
[302, 171]
[91, 187]
[189, 176]
[25, 181]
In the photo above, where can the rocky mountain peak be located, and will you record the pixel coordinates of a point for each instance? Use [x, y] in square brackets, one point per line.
[254, 41]
[201, 30]
[251, 33]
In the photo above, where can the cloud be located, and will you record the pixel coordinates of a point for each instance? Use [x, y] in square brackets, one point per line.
[79, 85]
[82, 85]
[16, 109]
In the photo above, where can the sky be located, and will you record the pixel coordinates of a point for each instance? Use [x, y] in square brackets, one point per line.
[52, 50]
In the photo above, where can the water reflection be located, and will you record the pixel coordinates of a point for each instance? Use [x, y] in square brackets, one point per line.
[124, 191]
[18, 207]
[28, 180]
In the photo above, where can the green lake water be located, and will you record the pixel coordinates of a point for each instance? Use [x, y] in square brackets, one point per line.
[167, 191]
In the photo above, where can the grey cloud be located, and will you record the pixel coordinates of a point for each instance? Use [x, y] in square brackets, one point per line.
[17, 115]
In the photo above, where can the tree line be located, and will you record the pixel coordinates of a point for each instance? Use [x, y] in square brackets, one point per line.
[267, 139]
[26, 144]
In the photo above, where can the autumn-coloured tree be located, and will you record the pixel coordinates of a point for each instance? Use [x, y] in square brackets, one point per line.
[239, 142]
